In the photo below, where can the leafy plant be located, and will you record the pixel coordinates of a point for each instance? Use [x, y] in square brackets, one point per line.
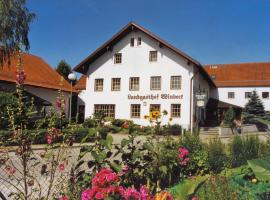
[261, 168]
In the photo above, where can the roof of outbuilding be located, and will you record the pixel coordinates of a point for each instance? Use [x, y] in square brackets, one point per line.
[81, 84]
[240, 75]
[83, 66]
[38, 73]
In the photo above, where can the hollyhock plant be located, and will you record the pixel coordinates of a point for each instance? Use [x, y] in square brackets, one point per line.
[20, 77]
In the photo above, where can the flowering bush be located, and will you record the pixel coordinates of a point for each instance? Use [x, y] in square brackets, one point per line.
[106, 184]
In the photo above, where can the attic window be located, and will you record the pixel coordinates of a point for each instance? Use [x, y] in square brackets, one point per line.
[139, 41]
[117, 58]
[132, 42]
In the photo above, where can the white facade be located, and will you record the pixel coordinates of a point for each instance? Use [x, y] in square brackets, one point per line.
[135, 63]
[239, 99]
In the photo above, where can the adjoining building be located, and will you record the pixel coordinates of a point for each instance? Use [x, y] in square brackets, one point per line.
[235, 82]
[136, 72]
[42, 81]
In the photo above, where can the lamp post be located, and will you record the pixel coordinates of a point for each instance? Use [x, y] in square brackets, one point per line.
[71, 77]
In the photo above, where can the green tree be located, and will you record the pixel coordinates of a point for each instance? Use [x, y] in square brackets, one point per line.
[15, 19]
[229, 118]
[64, 69]
[253, 108]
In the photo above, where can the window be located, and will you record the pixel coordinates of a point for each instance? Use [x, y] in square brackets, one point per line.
[132, 42]
[154, 107]
[139, 41]
[231, 95]
[107, 109]
[155, 83]
[116, 84]
[176, 110]
[176, 82]
[265, 95]
[247, 95]
[99, 84]
[134, 83]
[135, 110]
[152, 56]
[117, 58]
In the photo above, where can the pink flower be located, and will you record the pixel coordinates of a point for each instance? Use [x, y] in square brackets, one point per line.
[99, 195]
[183, 159]
[62, 167]
[195, 198]
[133, 194]
[64, 198]
[88, 194]
[49, 138]
[20, 77]
[104, 176]
[145, 195]
[58, 103]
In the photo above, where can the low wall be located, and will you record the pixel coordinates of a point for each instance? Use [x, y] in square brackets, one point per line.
[247, 128]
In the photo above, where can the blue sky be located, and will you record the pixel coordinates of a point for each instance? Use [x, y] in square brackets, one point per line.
[211, 31]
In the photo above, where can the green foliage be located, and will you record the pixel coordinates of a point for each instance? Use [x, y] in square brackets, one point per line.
[89, 123]
[261, 168]
[174, 129]
[216, 156]
[14, 27]
[6, 99]
[64, 69]
[186, 189]
[118, 122]
[243, 149]
[229, 118]
[217, 188]
[253, 108]
[198, 155]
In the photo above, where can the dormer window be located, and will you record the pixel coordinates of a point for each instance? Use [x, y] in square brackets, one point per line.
[139, 41]
[132, 42]
[117, 58]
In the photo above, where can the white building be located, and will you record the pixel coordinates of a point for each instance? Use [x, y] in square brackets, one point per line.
[135, 72]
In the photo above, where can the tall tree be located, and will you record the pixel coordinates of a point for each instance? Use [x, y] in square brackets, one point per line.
[15, 19]
[253, 108]
[64, 69]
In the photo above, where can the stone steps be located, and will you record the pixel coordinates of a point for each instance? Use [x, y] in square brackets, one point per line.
[209, 130]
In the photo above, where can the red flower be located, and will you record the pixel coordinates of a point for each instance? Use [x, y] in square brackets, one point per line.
[195, 198]
[183, 159]
[62, 167]
[55, 133]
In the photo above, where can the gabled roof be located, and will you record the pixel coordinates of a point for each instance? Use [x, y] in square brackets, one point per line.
[38, 73]
[240, 75]
[83, 66]
[81, 84]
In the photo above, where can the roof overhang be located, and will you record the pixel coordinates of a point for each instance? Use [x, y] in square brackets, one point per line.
[83, 66]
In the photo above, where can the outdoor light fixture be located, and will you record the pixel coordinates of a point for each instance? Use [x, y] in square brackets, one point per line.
[71, 77]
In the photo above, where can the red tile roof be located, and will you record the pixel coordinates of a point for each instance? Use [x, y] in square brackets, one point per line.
[38, 73]
[81, 84]
[242, 74]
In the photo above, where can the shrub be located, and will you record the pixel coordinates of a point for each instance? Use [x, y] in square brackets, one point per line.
[6, 99]
[216, 155]
[229, 118]
[118, 122]
[174, 129]
[243, 149]
[217, 188]
[198, 155]
[89, 123]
